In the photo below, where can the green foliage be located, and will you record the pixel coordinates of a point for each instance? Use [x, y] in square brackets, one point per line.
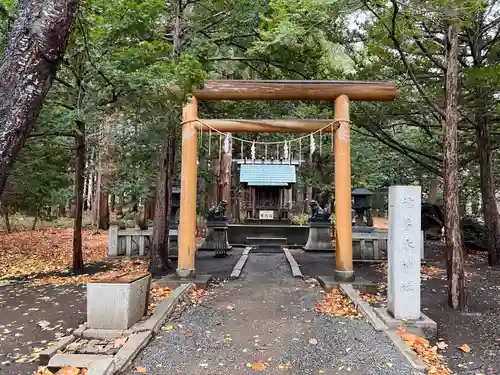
[121, 65]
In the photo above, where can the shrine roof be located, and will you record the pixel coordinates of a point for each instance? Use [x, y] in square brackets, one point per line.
[267, 174]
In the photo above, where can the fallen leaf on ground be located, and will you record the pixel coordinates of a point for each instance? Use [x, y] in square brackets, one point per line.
[120, 341]
[156, 294]
[434, 362]
[140, 369]
[465, 348]
[285, 366]
[168, 328]
[337, 304]
[68, 371]
[258, 366]
[188, 334]
[43, 324]
[442, 345]
[196, 295]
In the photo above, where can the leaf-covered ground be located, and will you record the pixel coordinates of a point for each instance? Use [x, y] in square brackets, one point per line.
[46, 255]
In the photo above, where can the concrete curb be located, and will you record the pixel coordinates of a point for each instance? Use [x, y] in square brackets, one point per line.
[163, 310]
[129, 351]
[102, 367]
[48, 353]
[105, 334]
[405, 350]
[293, 263]
[239, 266]
[77, 360]
[363, 307]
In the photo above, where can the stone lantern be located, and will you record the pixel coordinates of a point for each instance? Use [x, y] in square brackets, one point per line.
[362, 206]
[174, 223]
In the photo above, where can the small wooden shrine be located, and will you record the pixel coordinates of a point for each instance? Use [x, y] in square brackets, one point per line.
[267, 188]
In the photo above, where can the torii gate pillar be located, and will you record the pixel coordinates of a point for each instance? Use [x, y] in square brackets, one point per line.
[189, 169]
[343, 220]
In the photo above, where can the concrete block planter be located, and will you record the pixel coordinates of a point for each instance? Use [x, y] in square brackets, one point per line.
[117, 303]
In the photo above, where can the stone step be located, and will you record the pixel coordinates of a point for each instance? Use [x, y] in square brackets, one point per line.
[267, 241]
[267, 249]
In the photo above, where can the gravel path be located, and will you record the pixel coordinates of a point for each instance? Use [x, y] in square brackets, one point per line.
[268, 316]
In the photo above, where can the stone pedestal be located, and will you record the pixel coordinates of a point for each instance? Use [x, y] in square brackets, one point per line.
[211, 237]
[173, 248]
[117, 303]
[319, 237]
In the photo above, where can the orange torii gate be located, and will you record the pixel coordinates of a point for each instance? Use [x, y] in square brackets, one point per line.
[342, 92]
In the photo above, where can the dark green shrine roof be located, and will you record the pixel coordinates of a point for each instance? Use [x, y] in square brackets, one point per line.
[267, 174]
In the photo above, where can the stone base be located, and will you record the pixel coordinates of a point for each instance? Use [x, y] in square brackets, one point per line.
[204, 247]
[174, 281]
[329, 249]
[424, 327]
[214, 231]
[319, 237]
[328, 283]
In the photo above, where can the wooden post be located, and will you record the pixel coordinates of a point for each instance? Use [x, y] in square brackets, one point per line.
[343, 268]
[187, 221]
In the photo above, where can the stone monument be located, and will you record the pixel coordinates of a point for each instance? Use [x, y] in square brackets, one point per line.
[404, 253]
[216, 229]
[320, 227]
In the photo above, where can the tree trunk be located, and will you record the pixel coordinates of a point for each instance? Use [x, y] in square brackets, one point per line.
[454, 240]
[433, 190]
[79, 182]
[201, 192]
[214, 187]
[225, 180]
[158, 260]
[483, 107]
[149, 209]
[37, 42]
[4, 211]
[487, 182]
[107, 125]
[35, 221]
[112, 199]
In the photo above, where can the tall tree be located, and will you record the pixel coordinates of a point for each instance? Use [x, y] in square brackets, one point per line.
[454, 240]
[36, 44]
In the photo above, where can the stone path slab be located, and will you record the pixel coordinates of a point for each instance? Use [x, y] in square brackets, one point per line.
[268, 316]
